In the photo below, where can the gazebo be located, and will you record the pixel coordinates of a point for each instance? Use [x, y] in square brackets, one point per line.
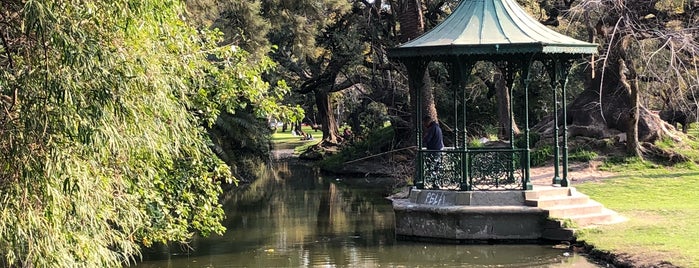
[498, 31]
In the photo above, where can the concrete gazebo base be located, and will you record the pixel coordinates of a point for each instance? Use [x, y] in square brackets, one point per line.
[475, 217]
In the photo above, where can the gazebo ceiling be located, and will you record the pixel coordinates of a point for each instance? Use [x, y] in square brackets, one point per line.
[490, 28]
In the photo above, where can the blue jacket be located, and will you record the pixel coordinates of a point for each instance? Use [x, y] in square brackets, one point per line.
[432, 138]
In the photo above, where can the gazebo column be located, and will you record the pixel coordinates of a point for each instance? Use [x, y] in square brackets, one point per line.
[509, 72]
[552, 67]
[416, 72]
[456, 82]
[525, 76]
[509, 77]
[461, 71]
[563, 69]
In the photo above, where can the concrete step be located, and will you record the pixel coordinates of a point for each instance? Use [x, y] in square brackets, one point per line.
[558, 234]
[567, 203]
[577, 210]
[606, 216]
[554, 201]
[548, 191]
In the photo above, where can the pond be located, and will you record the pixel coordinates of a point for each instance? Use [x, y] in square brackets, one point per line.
[296, 217]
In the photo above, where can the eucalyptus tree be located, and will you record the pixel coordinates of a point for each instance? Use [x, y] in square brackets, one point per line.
[102, 108]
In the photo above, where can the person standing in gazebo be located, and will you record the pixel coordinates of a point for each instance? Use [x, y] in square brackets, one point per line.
[432, 140]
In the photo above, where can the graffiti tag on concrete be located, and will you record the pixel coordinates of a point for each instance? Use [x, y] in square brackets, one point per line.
[436, 199]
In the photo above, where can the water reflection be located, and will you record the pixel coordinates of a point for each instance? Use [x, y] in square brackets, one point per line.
[294, 217]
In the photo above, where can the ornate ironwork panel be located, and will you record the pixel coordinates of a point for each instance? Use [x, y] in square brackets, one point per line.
[488, 169]
[496, 169]
[442, 169]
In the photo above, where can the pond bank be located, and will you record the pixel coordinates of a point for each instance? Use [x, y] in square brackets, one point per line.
[579, 173]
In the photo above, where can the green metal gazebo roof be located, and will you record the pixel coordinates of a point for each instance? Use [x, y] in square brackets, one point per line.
[489, 28]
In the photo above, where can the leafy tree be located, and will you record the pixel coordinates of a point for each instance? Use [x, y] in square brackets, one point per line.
[102, 108]
[242, 138]
[241, 22]
[412, 24]
[314, 47]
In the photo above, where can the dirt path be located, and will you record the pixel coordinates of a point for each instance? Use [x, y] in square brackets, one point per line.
[577, 172]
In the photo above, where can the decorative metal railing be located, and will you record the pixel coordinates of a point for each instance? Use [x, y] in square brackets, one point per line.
[472, 169]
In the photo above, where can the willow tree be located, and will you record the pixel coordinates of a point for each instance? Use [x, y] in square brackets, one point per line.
[102, 108]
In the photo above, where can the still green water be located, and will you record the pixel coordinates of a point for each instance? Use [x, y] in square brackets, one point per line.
[294, 217]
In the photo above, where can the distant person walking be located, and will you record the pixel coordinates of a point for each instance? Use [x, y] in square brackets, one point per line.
[347, 134]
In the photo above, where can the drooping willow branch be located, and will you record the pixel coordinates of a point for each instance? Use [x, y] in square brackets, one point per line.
[12, 68]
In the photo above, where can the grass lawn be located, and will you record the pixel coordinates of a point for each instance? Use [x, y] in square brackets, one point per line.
[662, 205]
[287, 140]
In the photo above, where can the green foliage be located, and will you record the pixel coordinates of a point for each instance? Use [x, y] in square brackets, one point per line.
[688, 146]
[102, 108]
[542, 155]
[296, 25]
[371, 116]
[377, 141]
[521, 140]
[582, 155]
[475, 143]
[242, 141]
[621, 163]
[241, 22]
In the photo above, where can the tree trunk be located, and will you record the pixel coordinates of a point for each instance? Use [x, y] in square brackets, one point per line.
[327, 120]
[429, 108]
[607, 106]
[610, 103]
[412, 25]
[633, 144]
[411, 19]
[628, 79]
[506, 121]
